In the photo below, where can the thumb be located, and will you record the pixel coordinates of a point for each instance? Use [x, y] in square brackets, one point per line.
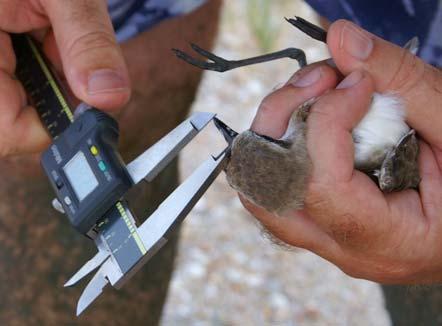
[393, 69]
[92, 60]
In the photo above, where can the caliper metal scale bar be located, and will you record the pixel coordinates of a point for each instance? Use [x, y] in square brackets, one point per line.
[122, 247]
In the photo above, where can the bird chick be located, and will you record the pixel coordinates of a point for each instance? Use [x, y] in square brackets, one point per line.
[273, 173]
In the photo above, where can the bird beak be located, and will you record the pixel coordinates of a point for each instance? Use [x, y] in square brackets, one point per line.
[228, 133]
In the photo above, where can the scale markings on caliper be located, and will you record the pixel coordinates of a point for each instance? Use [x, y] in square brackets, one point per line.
[90, 178]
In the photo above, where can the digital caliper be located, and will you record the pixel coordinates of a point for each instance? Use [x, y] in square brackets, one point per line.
[90, 178]
[86, 170]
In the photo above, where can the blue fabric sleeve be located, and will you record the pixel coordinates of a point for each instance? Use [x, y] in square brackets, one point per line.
[394, 20]
[131, 17]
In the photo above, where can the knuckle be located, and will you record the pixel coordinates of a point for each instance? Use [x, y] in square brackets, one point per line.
[324, 108]
[84, 10]
[93, 40]
[409, 72]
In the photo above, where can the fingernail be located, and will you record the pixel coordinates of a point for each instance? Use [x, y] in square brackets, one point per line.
[106, 81]
[308, 79]
[356, 42]
[350, 80]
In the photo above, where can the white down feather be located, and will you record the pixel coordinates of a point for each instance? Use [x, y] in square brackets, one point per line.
[381, 128]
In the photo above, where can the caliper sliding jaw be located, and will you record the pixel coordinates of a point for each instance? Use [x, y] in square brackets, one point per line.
[122, 246]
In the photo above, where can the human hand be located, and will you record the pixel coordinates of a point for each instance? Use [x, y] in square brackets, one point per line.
[391, 238]
[78, 38]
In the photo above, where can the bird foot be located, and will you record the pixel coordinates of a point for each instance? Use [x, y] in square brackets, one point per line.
[308, 28]
[400, 170]
[215, 62]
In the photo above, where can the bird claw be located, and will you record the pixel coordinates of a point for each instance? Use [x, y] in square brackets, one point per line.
[308, 28]
[215, 63]
[207, 54]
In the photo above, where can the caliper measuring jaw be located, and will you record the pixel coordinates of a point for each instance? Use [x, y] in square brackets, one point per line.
[123, 248]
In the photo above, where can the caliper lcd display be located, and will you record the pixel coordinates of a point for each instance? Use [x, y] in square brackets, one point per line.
[80, 175]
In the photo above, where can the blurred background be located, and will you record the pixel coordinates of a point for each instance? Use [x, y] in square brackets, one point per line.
[227, 272]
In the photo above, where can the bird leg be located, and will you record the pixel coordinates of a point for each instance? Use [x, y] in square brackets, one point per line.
[219, 64]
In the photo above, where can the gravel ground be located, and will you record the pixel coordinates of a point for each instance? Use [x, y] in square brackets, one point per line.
[227, 273]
